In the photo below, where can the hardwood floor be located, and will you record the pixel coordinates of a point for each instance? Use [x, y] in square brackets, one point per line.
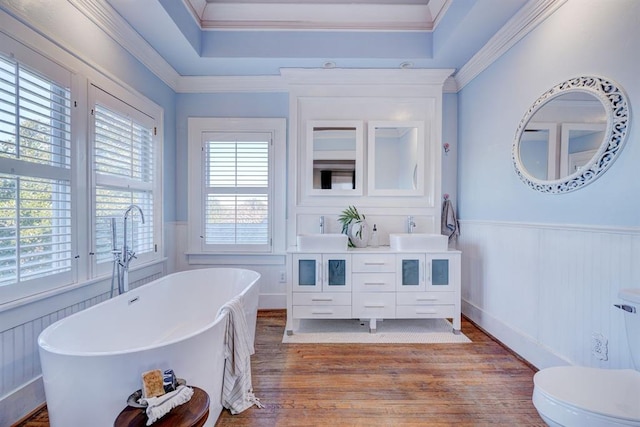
[477, 384]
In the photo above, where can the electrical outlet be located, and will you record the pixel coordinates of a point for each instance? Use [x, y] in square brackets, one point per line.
[283, 277]
[599, 346]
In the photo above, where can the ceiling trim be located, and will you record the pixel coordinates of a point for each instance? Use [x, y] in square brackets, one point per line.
[221, 84]
[523, 22]
[116, 27]
[357, 77]
[316, 16]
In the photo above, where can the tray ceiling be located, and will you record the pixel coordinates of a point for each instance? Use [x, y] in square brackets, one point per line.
[379, 15]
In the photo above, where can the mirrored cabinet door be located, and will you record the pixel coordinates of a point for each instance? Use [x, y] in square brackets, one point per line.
[334, 160]
[396, 158]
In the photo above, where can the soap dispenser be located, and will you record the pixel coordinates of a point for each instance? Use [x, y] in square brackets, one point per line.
[373, 241]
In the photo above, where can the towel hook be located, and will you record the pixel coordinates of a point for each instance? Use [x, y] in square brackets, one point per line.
[445, 196]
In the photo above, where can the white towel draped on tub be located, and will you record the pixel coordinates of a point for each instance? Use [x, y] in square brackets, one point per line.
[237, 391]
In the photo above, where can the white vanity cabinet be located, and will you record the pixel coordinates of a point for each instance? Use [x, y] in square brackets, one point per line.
[429, 286]
[374, 277]
[375, 284]
[321, 286]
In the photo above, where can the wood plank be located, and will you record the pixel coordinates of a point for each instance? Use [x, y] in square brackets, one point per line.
[473, 384]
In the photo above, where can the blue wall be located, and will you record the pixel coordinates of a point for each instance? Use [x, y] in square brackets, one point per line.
[259, 105]
[588, 37]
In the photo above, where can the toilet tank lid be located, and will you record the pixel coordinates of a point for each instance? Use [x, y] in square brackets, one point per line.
[631, 295]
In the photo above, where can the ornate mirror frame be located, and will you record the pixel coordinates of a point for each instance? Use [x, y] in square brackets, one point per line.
[616, 108]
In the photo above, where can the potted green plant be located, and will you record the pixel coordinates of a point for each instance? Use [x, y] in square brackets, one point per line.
[354, 225]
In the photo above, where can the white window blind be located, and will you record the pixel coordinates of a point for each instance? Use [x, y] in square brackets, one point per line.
[35, 176]
[124, 174]
[237, 190]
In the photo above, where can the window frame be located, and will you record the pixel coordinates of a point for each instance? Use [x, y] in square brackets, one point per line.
[197, 128]
[140, 110]
[79, 79]
[57, 74]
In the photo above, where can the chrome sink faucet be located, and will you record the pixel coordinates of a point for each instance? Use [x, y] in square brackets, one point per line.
[410, 224]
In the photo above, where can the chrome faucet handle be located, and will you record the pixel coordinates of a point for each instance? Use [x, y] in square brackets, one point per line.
[410, 224]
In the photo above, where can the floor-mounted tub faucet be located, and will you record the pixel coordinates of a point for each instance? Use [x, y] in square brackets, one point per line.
[321, 224]
[127, 254]
[410, 224]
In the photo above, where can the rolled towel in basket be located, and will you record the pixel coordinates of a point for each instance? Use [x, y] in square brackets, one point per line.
[157, 407]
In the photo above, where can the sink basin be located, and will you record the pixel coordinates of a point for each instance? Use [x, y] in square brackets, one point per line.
[406, 242]
[322, 242]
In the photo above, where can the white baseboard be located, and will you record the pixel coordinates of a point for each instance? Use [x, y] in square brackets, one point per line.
[521, 344]
[18, 403]
[272, 301]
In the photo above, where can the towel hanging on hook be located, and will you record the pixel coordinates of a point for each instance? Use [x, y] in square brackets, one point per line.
[449, 222]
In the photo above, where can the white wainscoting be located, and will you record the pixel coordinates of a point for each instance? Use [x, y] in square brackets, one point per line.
[21, 388]
[545, 289]
[271, 267]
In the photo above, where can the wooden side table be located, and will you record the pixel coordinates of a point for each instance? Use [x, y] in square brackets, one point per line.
[194, 413]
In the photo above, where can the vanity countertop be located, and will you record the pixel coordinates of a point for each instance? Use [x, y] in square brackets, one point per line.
[380, 249]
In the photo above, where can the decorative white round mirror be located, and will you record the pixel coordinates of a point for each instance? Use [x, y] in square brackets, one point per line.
[571, 135]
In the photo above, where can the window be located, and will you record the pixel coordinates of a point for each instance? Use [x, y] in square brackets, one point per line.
[73, 157]
[35, 176]
[125, 173]
[236, 198]
[232, 184]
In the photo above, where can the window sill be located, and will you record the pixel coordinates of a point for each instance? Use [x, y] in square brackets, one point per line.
[41, 297]
[204, 258]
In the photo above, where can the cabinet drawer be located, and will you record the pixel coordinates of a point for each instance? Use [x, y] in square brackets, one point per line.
[425, 311]
[377, 305]
[373, 263]
[374, 282]
[426, 298]
[324, 298]
[322, 312]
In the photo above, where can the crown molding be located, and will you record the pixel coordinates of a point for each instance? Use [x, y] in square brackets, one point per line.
[116, 27]
[450, 85]
[313, 76]
[217, 84]
[313, 15]
[356, 77]
[523, 22]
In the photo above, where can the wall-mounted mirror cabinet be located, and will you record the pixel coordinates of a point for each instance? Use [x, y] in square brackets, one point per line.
[571, 134]
[334, 160]
[395, 158]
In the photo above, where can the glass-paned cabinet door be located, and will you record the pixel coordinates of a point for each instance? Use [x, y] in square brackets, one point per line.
[410, 276]
[440, 272]
[307, 273]
[337, 273]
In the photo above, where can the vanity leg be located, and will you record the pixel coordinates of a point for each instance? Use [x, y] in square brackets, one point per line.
[292, 325]
[372, 326]
[457, 322]
[456, 331]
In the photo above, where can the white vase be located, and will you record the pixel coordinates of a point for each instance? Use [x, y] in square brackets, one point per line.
[359, 234]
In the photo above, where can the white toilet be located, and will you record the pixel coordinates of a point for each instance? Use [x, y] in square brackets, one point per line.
[593, 397]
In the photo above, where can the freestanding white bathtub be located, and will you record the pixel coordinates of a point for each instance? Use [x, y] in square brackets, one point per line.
[93, 359]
